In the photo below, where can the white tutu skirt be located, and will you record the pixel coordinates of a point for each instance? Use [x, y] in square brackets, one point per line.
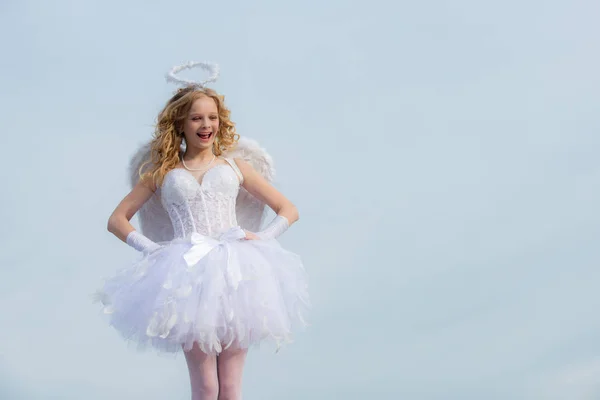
[218, 294]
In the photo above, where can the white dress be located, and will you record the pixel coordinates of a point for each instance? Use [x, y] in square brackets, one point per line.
[207, 285]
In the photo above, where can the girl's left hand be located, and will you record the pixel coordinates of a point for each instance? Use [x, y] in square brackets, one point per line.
[251, 236]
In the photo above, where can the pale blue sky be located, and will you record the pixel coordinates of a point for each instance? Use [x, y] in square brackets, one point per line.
[443, 155]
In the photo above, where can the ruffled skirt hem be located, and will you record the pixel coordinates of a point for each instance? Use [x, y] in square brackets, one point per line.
[237, 294]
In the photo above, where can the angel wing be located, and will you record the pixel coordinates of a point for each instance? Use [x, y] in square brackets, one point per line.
[154, 220]
[250, 211]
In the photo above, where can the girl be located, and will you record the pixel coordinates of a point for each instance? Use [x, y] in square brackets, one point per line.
[209, 287]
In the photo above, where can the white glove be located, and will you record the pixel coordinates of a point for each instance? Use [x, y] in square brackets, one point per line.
[141, 242]
[274, 229]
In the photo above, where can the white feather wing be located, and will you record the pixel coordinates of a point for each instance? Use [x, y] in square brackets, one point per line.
[250, 211]
[154, 220]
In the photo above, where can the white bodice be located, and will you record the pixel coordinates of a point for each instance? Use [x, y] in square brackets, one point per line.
[206, 207]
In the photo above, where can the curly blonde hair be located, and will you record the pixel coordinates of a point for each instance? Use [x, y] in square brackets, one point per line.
[165, 147]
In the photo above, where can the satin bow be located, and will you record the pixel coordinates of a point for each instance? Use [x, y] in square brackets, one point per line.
[202, 245]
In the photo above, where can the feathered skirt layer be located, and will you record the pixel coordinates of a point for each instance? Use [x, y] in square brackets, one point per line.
[217, 293]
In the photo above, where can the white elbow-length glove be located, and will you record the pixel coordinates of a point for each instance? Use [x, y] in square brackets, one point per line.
[141, 243]
[275, 228]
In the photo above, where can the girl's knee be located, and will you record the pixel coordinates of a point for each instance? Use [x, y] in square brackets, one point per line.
[229, 390]
[205, 390]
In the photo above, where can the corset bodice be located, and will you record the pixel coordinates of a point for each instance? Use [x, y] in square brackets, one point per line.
[206, 207]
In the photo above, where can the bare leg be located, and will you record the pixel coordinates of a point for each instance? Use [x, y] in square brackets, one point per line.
[230, 364]
[203, 374]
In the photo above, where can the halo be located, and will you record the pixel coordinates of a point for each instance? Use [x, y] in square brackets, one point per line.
[211, 68]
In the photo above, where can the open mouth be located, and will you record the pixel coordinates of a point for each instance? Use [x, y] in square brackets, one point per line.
[204, 135]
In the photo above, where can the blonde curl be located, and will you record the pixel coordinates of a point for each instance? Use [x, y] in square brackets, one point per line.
[165, 146]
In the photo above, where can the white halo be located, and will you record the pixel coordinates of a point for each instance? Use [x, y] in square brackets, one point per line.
[212, 68]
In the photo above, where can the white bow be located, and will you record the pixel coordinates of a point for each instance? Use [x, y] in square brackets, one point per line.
[202, 245]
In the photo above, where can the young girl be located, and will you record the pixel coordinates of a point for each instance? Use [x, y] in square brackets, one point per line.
[211, 288]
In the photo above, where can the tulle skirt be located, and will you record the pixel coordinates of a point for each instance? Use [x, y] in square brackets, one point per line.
[218, 294]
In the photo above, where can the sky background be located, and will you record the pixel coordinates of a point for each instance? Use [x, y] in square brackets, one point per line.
[443, 156]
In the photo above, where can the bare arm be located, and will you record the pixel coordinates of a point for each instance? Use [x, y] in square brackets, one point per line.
[258, 187]
[118, 223]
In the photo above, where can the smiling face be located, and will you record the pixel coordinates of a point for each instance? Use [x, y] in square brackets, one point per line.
[201, 125]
